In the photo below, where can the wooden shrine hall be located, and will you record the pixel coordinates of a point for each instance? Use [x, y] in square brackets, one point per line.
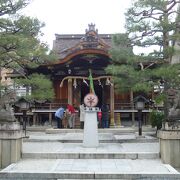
[79, 53]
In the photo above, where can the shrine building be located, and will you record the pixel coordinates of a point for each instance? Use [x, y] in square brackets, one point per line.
[79, 54]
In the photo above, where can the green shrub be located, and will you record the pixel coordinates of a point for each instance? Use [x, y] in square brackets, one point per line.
[156, 118]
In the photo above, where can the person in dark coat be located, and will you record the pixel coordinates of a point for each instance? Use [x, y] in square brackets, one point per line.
[105, 116]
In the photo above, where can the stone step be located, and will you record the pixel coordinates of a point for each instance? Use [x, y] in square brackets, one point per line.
[55, 150]
[78, 138]
[116, 130]
[89, 176]
[91, 155]
[28, 169]
[101, 141]
[77, 151]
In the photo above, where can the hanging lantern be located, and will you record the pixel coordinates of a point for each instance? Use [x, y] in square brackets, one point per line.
[84, 81]
[75, 84]
[100, 84]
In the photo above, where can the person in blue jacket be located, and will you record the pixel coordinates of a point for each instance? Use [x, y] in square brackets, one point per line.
[59, 114]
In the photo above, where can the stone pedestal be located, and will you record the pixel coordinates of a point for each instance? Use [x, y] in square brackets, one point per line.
[90, 128]
[170, 147]
[10, 143]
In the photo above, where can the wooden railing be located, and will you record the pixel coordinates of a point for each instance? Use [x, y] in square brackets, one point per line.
[118, 106]
[49, 106]
[52, 106]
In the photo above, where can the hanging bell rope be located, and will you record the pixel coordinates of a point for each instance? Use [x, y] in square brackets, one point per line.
[91, 82]
[83, 78]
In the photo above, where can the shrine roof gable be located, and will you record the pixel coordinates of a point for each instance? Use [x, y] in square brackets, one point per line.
[69, 43]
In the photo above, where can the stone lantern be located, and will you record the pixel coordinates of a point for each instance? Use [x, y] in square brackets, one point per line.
[140, 105]
[24, 106]
[10, 134]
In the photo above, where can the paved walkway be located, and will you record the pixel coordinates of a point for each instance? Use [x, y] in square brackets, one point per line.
[64, 145]
[46, 156]
[55, 147]
[110, 135]
[91, 165]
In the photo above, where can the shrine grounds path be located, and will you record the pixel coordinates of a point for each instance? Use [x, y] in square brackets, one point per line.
[60, 154]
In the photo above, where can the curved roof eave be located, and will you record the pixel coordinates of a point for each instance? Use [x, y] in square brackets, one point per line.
[83, 51]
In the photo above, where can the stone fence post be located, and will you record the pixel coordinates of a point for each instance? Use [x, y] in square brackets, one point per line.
[170, 147]
[10, 142]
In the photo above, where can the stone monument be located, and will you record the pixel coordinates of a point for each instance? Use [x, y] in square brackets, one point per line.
[174, 109]
[90, 138]
[170, 135]
[6, 112]
[10, 132]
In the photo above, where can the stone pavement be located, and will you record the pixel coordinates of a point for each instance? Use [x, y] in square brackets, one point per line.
[61, 155]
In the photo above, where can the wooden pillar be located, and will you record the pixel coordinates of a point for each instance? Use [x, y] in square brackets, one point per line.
[34, 119]
[132, 106]
[118, 120]
[112, 106]
[50, 115]
[77, 96]
[70, 99]
[28, 121]
[50, 118]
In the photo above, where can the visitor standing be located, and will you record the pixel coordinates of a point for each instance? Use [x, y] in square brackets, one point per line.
[71, 116]
[105, 116]
[99, 115]
[59, 114]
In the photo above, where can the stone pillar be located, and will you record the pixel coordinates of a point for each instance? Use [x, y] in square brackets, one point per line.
[90, 138]
[112, 106]
[170, 147]
[10, 143]
[70, 99]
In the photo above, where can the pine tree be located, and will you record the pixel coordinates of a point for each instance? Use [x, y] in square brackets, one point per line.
[149, 24]
[20, 45]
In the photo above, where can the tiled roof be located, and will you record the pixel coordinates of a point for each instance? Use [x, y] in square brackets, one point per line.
[67, 43]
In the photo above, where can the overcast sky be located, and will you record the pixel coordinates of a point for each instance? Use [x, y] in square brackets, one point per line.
[73, 16]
